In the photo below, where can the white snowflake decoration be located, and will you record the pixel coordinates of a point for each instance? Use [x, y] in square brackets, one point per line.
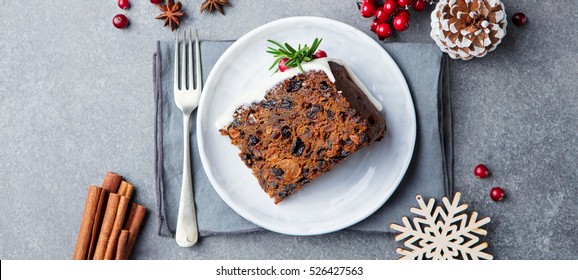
[442, 235]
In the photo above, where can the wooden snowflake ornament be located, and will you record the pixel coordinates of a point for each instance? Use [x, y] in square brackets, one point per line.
[442, 235]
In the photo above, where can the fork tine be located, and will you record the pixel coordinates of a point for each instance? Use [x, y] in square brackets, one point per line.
[184, 63]
[176, 70]
[198, 62]
[190, 65]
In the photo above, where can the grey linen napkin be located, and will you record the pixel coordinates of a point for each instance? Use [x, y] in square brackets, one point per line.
[429, 173]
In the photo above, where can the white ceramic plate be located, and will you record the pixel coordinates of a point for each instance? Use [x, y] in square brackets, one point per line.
[351, 191]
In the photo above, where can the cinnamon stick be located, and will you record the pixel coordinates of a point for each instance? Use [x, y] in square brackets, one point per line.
[121, 247]
[126, 189]
[110, 184]
[111, 246]
[102, 200]
[136, 216]
[86, 225]
[109, 228]
[107, 225]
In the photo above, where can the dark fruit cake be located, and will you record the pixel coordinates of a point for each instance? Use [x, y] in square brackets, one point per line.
[304, 126]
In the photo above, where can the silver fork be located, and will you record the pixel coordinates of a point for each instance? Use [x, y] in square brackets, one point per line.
[187, 100]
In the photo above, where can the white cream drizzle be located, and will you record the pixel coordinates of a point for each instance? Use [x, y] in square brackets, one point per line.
[258, 94]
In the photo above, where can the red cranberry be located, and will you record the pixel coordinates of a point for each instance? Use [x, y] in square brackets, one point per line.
[497, 193]
[390, 6]
[383, 31]
[381, 16]
[123, 4]
[403, 3]
[374, 24]
[404, 13]
[372, 2]
[156, 1]
[367, 10]
[281, 65]
[120, 21]
[519, 19]
[481, 171]
[418, 5]
[401, 23]
[319, 54]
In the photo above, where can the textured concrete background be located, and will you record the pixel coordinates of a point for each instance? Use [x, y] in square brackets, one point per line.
[76, 101]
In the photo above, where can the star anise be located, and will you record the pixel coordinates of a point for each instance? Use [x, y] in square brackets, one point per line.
[214, 4]
[171, 14]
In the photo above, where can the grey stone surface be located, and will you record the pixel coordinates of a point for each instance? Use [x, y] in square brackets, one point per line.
[76, 101]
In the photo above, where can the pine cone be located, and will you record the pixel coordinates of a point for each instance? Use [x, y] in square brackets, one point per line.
[468, 28]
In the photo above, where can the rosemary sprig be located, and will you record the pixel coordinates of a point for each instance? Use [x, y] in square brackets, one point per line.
[295, 57]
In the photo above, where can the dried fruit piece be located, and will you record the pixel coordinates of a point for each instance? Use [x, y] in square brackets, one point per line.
[286, 104]
[294, 85]
[312, 112]
[278, 172]
[268, 104]
[285, 132]
[298, 147]
[253, 140]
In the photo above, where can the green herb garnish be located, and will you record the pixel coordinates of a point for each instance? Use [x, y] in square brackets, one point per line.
[295, 57]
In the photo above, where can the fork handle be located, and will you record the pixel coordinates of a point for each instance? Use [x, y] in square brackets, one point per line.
[187, 232]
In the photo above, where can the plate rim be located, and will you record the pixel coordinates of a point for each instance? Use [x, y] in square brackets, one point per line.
[251, 217]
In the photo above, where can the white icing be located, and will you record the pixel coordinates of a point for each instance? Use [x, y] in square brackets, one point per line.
[258, 94]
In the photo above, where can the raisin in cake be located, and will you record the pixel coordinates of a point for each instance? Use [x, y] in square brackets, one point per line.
[304, 125]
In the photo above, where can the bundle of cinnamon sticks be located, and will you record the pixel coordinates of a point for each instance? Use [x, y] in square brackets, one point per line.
[110, 223]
